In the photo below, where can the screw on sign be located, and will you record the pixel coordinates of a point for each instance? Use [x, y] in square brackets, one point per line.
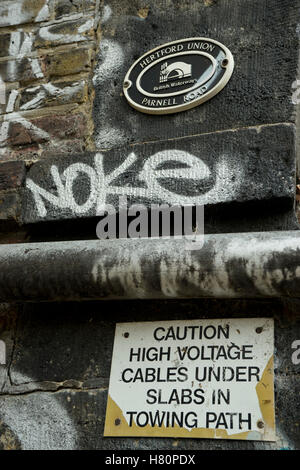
[178, 76]
[195, 379]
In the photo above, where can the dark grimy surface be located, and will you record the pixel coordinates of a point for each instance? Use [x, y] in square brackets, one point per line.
[237, 152]
[59, 364]
[251, 265]
[261, 34]
[225, 170]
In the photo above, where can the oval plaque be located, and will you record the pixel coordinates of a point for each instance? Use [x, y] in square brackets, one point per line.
[178, 76]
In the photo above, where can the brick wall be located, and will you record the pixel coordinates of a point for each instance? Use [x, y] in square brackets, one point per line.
[62, 63]
[47, 54]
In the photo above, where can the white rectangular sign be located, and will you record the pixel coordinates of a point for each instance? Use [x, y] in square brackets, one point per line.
[194, 378]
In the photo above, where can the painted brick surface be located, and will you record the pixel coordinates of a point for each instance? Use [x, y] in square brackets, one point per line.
[9, 205]
[46, 61]
[14, 12]
[56, 94]
[63, 8]
[49, 126]
[67, 32]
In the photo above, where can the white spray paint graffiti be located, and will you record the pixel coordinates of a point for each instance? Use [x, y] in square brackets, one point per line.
[112, 61]
[16, 12]
[46, 34]
[20, 46]
[2, 352]
[38, 420]
[45, 90]
[107, 12]
[296, 93]
[193, 169]
[2, 92]
[19, 50]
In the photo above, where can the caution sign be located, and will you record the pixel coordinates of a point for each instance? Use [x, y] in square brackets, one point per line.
[194, 379]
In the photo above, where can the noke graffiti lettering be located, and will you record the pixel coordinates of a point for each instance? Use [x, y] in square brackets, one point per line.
[101, 184]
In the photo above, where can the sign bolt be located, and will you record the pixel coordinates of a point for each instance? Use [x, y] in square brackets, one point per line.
[224, 63]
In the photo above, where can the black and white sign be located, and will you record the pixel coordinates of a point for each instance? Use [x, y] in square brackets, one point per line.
[178, 76]
[196, 378]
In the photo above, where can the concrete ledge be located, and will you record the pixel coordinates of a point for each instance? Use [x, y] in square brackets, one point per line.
[224, 168]
[252, 265]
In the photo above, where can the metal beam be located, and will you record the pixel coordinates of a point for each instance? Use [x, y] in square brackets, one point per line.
[246, 265]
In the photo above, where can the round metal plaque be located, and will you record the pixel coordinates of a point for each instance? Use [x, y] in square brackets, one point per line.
[178, 76]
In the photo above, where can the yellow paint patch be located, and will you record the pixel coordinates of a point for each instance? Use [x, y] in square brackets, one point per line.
[265, 394]
[255, 396]
[143, 13]
[114, 415]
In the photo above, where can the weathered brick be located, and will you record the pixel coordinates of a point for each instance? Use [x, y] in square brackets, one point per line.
[66, 32]
[27, 69]
[21, 153]
[45, 128]
[67, 7]
[66, 147]
[14, 12]
[12, 175]
[70, 61]
[16, 44]
[9, 205]
[63, 126]
[44, 150]
[4, 44]
[23, 69]
[24, 134]
[53, 94]
[9, 97]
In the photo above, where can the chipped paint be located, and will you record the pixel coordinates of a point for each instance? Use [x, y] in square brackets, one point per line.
[246, 399]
